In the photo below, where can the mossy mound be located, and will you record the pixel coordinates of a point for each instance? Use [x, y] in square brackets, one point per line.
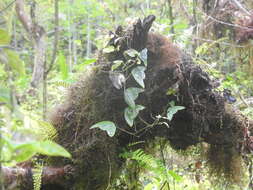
[206, 117]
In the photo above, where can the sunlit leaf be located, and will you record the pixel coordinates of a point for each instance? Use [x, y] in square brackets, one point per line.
[174, 175]
[107, 126]
[108, 49]
[50, 148]
[5, 96]
[61, 61]
[131, 53]
[4, 37]
[149, 186]
[89, 61]
[131, 94]
[139, 75]
[116, 64]
[15, 62]
[181, 25]
[24, 152]
[27, 150]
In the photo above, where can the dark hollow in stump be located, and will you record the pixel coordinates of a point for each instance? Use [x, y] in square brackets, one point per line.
[206, 117]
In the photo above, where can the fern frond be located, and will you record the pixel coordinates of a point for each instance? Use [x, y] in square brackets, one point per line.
[37, 175]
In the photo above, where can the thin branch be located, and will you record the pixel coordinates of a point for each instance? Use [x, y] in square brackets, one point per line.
[56, 37]
[9, 47]
[172, 30]
[8, 6]
[225, 23]
[240, 6]
[110, 172]
[222, 43]
[23, 17]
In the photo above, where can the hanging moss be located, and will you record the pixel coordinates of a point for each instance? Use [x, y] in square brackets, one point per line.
[94, 98]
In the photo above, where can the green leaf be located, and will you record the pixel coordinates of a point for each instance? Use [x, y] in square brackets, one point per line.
[144, 56]
[116, 64]
[89, 61]
[139, 75]
[173, 110]
[50, 148]
[108, 49]
[131, 113]
[24, 152]
[5, 96]
[107, 126]
[27, 150]
[131, 53]
[171, 91]
[181, 25]
[82, 66]
[61, 61]
[16, 64]
[175, 176]
[4, 37]
[131, 94]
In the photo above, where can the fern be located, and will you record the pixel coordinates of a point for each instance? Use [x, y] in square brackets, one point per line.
[37, 175]
[152, 164]
[47, 130]
[62, 84]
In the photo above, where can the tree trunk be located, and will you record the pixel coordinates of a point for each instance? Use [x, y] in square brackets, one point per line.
[38, 36]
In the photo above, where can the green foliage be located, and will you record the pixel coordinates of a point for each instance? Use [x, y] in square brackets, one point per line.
[139, 75]
[25, 151]
[131, 113]
[63, 66]
[172, 110]
[116, 64]
[131, 94]
[37, 176]
[21, 108]
[107, 126]
[15, 63]
[160, 174]
[131, 53]
[108, 49]
[4, 37]
[5, 96]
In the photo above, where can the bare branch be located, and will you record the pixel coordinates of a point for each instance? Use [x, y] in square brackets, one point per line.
[23, 17]
[9, 5]
[56, 36]
[240, 6]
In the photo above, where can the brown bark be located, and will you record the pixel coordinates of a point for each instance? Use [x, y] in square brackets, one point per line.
[21, 177]
[38, 36]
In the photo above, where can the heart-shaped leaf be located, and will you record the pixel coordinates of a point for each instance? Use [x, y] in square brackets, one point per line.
[144, 56]
[108, 49]
[116, 64]
[131, 113]
[107, 126]
[139, 75]
[173, 110]
[131, 95]
[131, 53]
